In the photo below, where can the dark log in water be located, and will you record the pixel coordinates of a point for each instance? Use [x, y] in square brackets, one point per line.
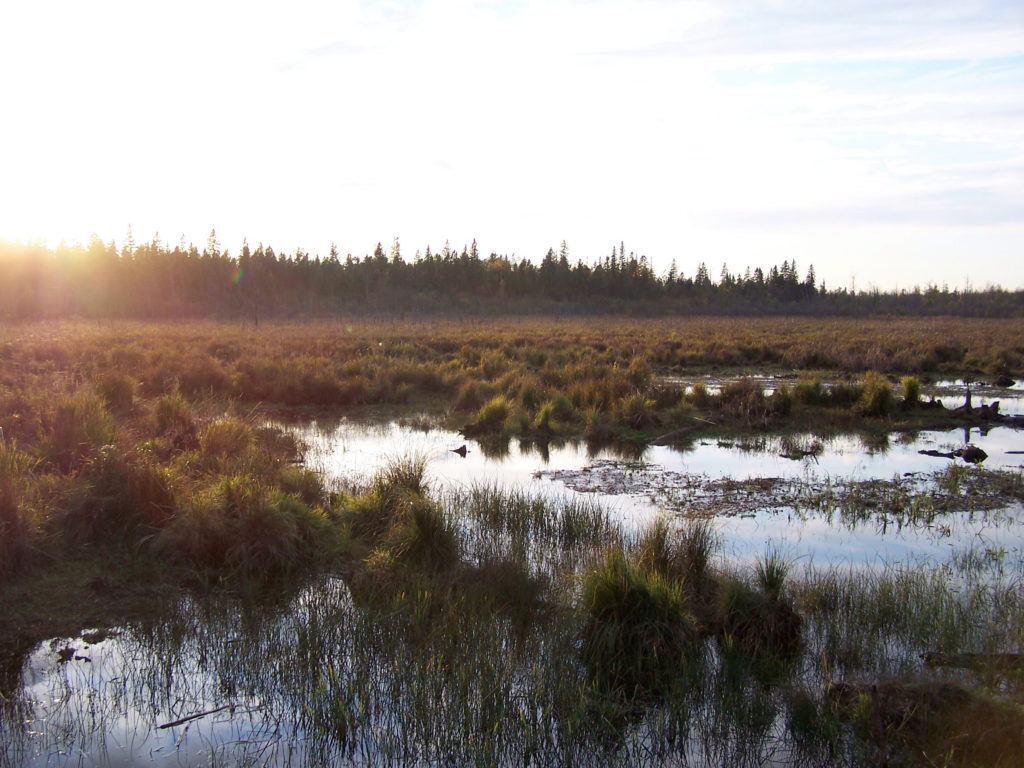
[969, 453]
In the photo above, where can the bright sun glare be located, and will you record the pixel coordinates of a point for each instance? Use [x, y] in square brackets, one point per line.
[694, 133]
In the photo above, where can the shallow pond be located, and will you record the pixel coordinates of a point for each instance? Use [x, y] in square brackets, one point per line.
[320, 682]
[312, 678]
[950, 392]
[639, 482]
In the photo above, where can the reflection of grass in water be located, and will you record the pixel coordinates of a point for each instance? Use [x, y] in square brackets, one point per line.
[330, 678]
[240, 509]
[445, 666]
[880, 621]
[931, 722]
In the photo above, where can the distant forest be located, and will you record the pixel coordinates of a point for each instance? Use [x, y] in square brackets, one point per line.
[154, 281]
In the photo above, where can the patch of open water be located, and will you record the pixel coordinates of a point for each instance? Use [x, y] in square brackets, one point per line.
[650, 480]
[101, 702]
[950, 392]
[199, 690]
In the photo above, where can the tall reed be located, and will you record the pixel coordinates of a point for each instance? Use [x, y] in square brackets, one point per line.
[17, 543]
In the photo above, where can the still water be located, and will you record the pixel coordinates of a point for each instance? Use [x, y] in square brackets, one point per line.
[315, 679]
[639, 482]
[950, 392]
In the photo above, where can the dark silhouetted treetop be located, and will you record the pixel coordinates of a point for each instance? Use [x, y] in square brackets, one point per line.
[152, 280]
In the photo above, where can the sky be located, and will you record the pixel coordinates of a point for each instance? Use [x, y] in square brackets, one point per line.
[881, 141]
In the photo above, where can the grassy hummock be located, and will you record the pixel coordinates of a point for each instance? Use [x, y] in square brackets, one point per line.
[395, 622]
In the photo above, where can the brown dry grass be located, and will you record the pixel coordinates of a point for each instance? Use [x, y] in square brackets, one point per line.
[594, 368]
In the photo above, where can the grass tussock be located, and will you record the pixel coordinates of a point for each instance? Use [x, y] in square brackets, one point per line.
[79, 427]
[639, 633]
[744, 401]
[876, 396]
[911, 386]
[374, 512]
[508, 627]
[241, 528]
[174, 421]
[555, 414]
[683, 555]
[655, 550]
[932, 722]
[105, 442]
[760, 621]
[811, 392]
[636, 411]
[226, 437]
[118, 391]
[422, 536]
[408, 473]
[473, 394]
[771, 571]
[524, 376]
[119, 499]
[493, 415]
[17, 534]
[756, 624]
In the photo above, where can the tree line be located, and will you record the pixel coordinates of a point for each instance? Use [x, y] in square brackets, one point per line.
[154, 281]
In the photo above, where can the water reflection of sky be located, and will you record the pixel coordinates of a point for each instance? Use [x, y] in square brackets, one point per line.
[348, 450]
[950, 392]
[105, 710]
[818, 541]
[843, 456]
[353, 451]
[94, 700]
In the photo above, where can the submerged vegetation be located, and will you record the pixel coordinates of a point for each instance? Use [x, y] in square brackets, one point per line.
[395, 621]
[509, 627]
[914, 499]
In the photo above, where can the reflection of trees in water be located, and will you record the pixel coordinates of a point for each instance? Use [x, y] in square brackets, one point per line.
[495, 446]
[875, 443]
[624, 450]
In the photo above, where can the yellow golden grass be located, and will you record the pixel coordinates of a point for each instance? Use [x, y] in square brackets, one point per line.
[122, 434]
[591, 376]
[157, 392]
[896, 344]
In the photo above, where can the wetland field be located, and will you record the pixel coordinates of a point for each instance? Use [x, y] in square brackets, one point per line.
[513, 541]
